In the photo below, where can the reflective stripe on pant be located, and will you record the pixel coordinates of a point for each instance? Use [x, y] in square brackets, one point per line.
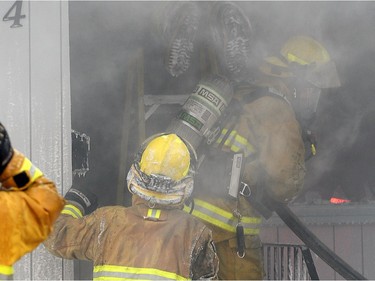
[6, 272]
[221, 218]
[114, 272]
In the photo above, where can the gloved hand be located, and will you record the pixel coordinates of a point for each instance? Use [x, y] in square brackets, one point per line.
[6, 150]
[82, 198]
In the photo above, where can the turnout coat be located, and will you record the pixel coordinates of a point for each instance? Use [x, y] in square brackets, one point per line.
[30, 204]
[136, 242]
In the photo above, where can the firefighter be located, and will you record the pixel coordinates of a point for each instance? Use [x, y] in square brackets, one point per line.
[266, 120]
[264, 125]
[152, 239]
[301, 72]
[270, 128]
[228, 37]
[30, 205]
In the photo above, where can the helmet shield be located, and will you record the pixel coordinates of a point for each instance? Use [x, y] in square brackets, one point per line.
[305, 102]
[163, 169]
[158, 189]
[324, 75]
[308, 53]
[321, 75]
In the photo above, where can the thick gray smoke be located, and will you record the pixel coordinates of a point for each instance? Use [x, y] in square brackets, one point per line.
[105, 36]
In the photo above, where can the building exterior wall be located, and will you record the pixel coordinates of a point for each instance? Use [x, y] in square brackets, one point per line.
[348, 230]
[35, 104]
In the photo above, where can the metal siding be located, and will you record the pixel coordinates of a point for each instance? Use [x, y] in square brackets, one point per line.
[15, 94]
[268, 234]
[348, 245]
[326, 234]
[346, 229]
[282, 234]
[35, 107]
[46, 111]
[368, 251]
[14, 79]
[286, 236]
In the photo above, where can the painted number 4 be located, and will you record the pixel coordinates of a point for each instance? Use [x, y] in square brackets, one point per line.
[14, 14]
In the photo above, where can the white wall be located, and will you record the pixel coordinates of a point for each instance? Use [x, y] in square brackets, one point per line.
[35, 104]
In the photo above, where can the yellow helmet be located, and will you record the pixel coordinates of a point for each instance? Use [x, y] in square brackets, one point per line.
[163, 169]
[302, 55]
[304, 50]
[166, 155]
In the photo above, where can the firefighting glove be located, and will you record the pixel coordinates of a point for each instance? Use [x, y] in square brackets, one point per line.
[6, 150]
[82, 198]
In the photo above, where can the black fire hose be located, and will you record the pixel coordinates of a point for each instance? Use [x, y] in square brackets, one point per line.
[313, 242]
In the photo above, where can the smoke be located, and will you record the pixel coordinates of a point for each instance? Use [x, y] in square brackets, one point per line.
[105, 36]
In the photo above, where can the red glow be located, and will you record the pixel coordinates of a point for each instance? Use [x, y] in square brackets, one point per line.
[335, 200]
